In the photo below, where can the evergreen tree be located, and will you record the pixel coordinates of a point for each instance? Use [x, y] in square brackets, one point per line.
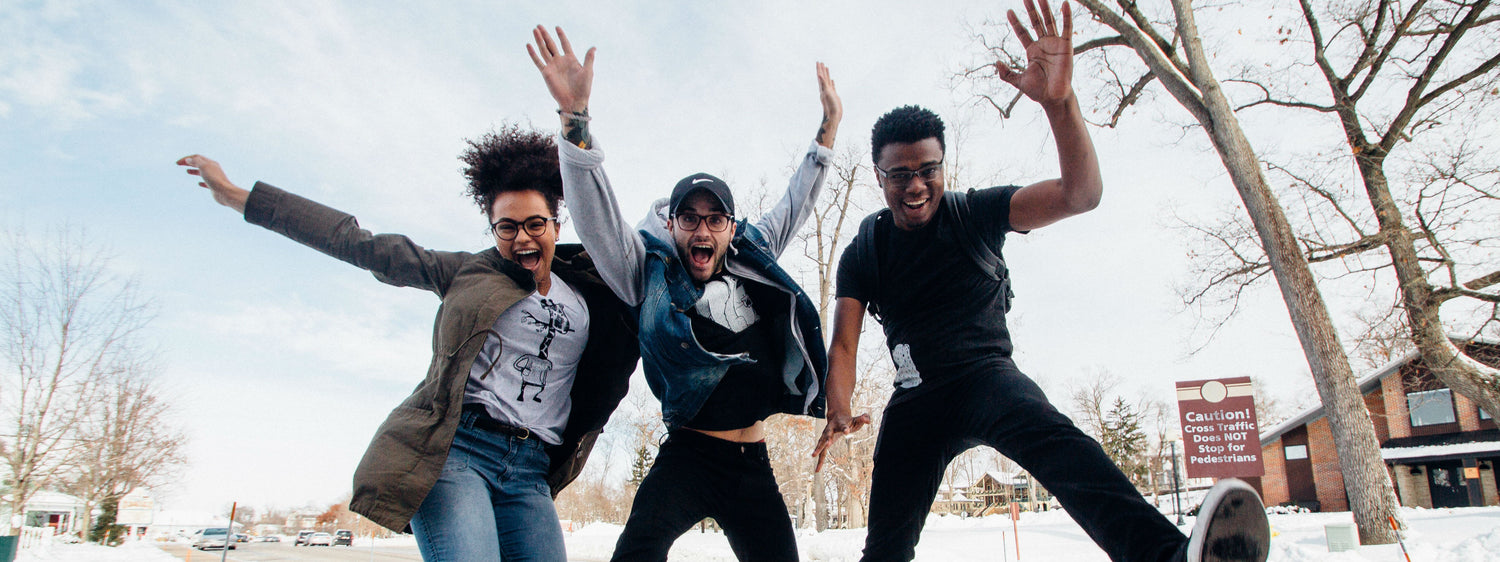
[105, 531]
[1124, 440]
[640, 465]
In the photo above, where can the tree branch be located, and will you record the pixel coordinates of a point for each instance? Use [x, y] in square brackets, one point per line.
[1483, 282]
[1385, 53]
[1441, 29]
[1414, 98]
[1266, 99]
[1131, 97]
[1100, 43]
[1156, 59]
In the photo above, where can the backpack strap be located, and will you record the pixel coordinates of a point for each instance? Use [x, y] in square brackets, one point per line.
[867, 247]
[967, 233]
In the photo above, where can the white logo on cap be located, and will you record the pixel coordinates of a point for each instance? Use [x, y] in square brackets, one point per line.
[701, 180]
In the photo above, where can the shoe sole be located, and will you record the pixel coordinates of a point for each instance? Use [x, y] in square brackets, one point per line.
[1231, 526]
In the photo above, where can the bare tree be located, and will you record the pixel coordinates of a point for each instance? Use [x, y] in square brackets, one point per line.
[836, 214]
[1090, 401]
[1443, 57]
[68, 322]
[1406, 85]
[1171, 50]
[127, 440]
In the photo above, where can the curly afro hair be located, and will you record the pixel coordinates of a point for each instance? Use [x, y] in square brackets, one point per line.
[512, 159]
[906, 124]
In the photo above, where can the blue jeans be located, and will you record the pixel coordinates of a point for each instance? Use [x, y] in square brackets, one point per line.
[491, 502]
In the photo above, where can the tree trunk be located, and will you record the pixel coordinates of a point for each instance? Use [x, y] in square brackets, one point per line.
[1457, 371]
[1366, 482]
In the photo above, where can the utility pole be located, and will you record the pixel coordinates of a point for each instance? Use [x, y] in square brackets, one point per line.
[1176, 487]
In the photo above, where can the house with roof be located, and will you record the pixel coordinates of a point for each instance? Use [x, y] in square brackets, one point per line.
[1440, 448]
[951, 500]
[996, 490]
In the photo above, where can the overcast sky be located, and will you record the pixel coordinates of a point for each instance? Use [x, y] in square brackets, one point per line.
[282, 361]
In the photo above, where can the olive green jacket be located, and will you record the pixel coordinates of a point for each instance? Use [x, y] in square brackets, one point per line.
[408, 450]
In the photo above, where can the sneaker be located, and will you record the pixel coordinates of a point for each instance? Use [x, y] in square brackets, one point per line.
[1231, 526]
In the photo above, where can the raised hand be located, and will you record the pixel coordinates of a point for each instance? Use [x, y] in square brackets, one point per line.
[838, 425]
[568, 81]
[225, 193]
[833, 107]
[1048, 76]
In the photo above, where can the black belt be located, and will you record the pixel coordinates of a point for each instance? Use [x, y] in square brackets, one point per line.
[482, 420]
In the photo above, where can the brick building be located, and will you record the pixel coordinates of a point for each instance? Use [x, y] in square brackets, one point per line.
[1441, 449]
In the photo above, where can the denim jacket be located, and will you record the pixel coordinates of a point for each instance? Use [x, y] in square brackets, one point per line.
[681, 373]
[642, 266]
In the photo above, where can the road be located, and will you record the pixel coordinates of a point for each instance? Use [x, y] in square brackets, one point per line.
[266, 551]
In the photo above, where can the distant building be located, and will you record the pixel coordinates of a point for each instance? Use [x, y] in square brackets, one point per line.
[60, 512]
[1440, 448]
[997, 490]
[951, 500]
[300, 520]
[168, 525]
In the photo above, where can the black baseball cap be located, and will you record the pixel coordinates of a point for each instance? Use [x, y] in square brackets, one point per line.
[713, 185]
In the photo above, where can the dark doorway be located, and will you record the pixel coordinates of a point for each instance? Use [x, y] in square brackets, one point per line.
[1446, 480]
[1301, 488]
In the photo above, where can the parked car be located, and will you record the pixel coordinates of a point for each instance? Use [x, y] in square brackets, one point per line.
[302, 537]
[241, 537]
[343, 537]
[270, 538]
[212, 538]
[323, 539]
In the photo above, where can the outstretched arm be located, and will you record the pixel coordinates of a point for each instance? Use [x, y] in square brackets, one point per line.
[782, 222]
[615, 246]
[392, 258]
[848, 317]
[1048, 79]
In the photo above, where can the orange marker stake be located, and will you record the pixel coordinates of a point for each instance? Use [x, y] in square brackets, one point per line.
[1397, 529]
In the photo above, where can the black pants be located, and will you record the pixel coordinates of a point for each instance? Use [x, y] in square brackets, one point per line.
[697, 476]
[1004, 409]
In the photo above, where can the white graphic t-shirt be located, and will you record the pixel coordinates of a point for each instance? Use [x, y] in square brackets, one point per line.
[535, 360]
[724, 301]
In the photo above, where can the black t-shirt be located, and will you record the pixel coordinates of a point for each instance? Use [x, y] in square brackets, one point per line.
[942, 316]
[748, 392]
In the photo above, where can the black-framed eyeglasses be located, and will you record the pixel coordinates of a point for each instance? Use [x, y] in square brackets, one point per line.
[928, 172]
[716, 222]
[506, 229]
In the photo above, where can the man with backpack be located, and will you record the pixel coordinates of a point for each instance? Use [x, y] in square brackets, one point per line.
[930, 269]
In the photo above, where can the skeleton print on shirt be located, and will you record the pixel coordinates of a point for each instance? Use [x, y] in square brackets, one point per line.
[533, 369]
[906, 371]
[725, 302]
[524, 375]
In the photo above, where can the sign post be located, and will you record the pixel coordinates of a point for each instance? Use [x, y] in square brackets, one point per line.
[1220, 435]
[1015, 515]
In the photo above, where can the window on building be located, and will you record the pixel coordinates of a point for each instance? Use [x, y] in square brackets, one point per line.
[1432, 407]
[1294, 452]
[1484, 415]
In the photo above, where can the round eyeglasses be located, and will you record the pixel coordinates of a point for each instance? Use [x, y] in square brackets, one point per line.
[506, 229]
[716, 222]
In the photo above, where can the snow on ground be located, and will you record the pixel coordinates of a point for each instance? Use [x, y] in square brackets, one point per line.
[129, 552]
[1435, 535]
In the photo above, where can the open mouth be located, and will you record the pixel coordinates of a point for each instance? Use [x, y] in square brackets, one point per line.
[701, 255]
[916, 204]
[529, 259]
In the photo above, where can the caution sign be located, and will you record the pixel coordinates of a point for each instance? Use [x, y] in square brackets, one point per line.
[1220, 437]
[135, 508]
